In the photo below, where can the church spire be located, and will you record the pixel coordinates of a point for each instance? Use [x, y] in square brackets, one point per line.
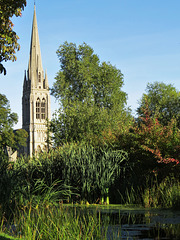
[36, 97]
[35, 61]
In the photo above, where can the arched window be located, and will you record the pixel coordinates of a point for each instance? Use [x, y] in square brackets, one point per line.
[43, 109]
[38, 109]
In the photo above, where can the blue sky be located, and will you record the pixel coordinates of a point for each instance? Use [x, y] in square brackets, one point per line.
[139, 37]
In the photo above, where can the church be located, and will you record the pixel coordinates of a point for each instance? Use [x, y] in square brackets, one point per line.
[36, 97]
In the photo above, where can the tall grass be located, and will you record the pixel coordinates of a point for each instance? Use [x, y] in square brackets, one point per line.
[36, 187]
[44, 222]
[165, 194]
[131, 196]
[44, 217]
[153, 192]
[91, 171]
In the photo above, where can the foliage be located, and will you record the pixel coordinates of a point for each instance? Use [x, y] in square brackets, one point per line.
[165, 193]
[40, 215]
[152, 149]
[164, 99]
[17, 189]
[5, 183]
[88, 172]
[7, 119]
[154, 192]
[151, 142]
[44, 221]
[20, 138]
[4, 236]
[8, 138]
[92, 171]
[90, 96]
[8, 37]
[162, 141]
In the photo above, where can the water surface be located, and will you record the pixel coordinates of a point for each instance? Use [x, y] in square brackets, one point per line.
[139, 223]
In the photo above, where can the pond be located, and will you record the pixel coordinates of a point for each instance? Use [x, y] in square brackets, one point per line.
[137, 223]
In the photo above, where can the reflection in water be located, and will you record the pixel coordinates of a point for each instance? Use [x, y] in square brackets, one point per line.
[142, 224]
[139, 224]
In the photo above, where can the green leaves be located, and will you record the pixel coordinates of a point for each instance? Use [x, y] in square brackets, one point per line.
[7, 120]
[162, 99]
[88, 169]
[89, 93]
[9, 38]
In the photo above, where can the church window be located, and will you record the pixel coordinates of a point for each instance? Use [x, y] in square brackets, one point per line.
[38, 109]
[43, 109]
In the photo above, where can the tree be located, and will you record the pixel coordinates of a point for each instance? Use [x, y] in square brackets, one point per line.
[7, 119]
[153, 149]
[162, 142]
[92, 103]
[163, 100]
[8, 37]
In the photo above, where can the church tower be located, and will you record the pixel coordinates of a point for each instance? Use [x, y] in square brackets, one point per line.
[36, 97]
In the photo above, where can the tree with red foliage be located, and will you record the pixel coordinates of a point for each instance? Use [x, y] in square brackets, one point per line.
[151, 145]
[161, 141]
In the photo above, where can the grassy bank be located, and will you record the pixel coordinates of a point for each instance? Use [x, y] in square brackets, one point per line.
[48, 221]
[42, 215]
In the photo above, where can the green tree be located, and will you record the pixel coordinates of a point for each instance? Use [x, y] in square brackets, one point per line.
[7, 136]
[163, 100]
[8, 37]
[92, 103]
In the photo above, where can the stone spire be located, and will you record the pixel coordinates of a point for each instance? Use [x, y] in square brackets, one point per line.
[36, 97]
[35, 62]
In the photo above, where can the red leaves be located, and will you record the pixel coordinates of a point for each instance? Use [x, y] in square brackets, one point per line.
[161, 141]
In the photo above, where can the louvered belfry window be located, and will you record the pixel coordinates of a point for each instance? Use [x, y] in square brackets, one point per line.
[38, 109]
[43, 109]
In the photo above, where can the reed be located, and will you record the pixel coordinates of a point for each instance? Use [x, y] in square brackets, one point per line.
[55, 222]
[89, 170]
[164, 194]
[43, 216]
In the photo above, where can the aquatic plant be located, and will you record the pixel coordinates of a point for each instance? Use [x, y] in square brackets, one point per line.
[164, 194]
